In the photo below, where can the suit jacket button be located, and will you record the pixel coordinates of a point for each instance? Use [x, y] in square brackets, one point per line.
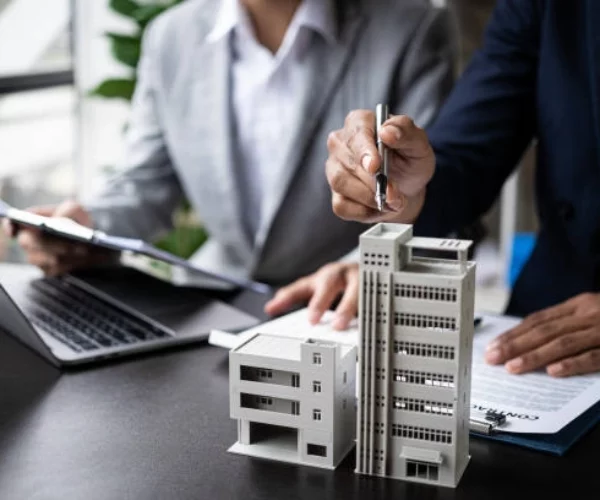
[566, 210]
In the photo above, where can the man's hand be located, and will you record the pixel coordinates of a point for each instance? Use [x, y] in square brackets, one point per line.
[564, 339]
[354, 160]
[321, 289]
[55, 256]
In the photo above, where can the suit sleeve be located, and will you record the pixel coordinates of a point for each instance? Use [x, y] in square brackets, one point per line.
[487, 123]
[139, 202]
[426, 76]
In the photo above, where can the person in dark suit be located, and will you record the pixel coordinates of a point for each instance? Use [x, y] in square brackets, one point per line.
[537, 77]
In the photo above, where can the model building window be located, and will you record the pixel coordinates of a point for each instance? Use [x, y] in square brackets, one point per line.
[317, 360]
[424, 378]
[316, 449]
[295, 408]
[345, 377]
[425, 350]
[265, 373]
[422, 470]
[423, 433]
[316, 386]
[295, 380]
[423, 406]
[316, 414]
[425, 321]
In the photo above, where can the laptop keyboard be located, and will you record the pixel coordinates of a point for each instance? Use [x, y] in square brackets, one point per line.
[82, 321]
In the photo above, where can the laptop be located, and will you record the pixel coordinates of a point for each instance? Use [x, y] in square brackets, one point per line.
[77, 320]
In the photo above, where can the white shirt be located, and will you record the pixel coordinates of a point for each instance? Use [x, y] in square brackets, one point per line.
[267, 91]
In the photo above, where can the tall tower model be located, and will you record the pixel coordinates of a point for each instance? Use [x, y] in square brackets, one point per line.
[416, 329]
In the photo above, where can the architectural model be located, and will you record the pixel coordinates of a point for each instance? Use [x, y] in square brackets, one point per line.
[294, 399]
[415, 346]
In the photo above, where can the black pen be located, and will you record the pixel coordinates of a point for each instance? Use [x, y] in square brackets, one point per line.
[381, 115]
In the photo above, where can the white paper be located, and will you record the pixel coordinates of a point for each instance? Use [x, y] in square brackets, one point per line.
[533, 402]
[295, 325]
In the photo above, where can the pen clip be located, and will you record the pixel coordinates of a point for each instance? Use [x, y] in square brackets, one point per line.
[487, 422]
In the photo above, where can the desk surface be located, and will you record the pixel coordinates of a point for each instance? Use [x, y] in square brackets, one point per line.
[158, 427]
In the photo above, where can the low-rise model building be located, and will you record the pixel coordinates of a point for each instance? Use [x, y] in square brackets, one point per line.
[294, 399]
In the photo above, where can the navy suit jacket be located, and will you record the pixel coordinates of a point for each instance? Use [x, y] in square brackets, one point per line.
[536, 77]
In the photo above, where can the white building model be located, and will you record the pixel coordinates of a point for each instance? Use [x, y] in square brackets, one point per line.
[294, 399]
[415, 347]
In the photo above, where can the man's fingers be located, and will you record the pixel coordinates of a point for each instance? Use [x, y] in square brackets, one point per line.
[533, 338]
[348, 306]
[532, 321]
[348, 185]
[9, 228]
[338, 177]
[329, 283]
[359, 132]
[32, 240]
[45, 210]
[588, 362]
[401, 134]
[63, 248]
[396, 200]
[41, 259]
[558, 348]
[343, 162]
[298, 292]
[350, 210]
[29, 240]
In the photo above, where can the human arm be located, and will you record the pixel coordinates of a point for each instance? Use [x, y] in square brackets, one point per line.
[54, 255]
[467, 154]
[140, 200]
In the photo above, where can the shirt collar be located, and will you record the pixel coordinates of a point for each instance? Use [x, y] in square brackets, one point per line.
[317, 15]
[228, 18]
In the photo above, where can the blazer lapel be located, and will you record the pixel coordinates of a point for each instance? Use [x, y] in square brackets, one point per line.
[593, 35]
[326, 69]
[213, 129]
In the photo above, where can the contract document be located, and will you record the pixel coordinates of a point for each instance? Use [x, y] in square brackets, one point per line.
[532, 403]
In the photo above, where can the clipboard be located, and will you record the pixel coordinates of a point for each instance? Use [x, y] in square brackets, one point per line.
[555, 444]
[71, 230]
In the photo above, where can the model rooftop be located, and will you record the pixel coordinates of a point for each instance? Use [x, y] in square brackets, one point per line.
[404, 232]
[392, 247]
[279, 347]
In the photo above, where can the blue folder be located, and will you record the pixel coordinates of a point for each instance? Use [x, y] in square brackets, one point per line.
[558, 443]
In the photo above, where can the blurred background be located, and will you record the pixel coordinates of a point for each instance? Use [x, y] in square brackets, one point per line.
[66, 76]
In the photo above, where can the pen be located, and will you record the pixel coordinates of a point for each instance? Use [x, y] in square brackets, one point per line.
[381, 115]
[487, 422]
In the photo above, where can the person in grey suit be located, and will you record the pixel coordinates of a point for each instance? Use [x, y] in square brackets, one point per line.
[234, 102]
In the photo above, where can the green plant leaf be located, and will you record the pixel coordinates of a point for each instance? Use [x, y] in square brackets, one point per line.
[147, 13]
[183, 241]
[125, 49]
[124, 7]
[115, 88]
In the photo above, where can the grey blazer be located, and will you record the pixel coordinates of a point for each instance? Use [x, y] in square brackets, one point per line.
[180, 137]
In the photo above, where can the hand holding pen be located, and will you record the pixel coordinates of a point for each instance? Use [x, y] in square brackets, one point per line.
[378, 167]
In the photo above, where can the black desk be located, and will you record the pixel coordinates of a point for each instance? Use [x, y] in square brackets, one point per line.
[158, 428]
